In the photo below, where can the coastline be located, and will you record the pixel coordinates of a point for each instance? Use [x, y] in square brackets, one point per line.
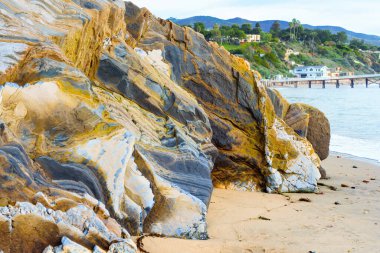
[352, 114]
[355, 158]
[342, 217]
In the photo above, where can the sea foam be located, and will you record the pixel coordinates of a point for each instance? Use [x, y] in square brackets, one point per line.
[356, 147]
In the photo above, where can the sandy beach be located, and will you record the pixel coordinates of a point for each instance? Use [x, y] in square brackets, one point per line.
[343, 217]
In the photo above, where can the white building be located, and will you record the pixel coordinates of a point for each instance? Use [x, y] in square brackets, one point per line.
[311, 71]
[251, 38]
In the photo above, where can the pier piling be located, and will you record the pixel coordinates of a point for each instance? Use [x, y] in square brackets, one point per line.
[352, 83]
[324, 84]
[309, 84]
[337, 83]
[366, 82]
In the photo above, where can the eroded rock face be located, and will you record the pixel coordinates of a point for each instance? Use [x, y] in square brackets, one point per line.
[241, 114]
[115, 122]
[99, 119]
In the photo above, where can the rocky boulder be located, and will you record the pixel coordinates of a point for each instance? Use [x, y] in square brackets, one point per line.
[319, 131]
[305, 120]
[298, 119]
[311, 123]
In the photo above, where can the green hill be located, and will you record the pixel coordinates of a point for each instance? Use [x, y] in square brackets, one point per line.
[266, 25]
[280, 50]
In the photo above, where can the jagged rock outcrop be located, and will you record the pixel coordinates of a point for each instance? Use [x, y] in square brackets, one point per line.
[252, 152]
[113, 120]
[31, 228]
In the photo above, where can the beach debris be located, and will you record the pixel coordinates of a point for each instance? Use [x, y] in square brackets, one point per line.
[305, 200]
[338, 156]
[319, 193]
[355, 167]
[373, 179]
[311, 251]
[140, 244]
[365, 181]
[333, 188]
[353, 187]
[286, 196]
[264, 218]
[344, 185]
[337, 203]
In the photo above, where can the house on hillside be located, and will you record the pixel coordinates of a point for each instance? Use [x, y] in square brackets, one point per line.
[349, 73]
[311, 71]
[335, 72]
[290, 52]
[251, 38]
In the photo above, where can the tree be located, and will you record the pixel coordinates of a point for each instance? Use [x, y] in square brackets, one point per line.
[266, 36]
[295, 27]
[235, 26]
[215, 33]
[358, 44]
[313, 36]
[247, 28]
[298, 27]
[237, 33]
[199, 27]
[324, 35]
[257, 29]
[291, 29]
[275, 29]
[341, 38]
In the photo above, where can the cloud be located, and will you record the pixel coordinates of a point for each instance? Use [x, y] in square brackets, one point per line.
[359, 16]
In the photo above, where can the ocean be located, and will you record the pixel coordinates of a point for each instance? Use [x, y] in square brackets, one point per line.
[354, 116]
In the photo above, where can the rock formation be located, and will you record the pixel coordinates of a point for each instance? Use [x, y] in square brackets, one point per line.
[114, 121]
[306, 121]
[319, 132]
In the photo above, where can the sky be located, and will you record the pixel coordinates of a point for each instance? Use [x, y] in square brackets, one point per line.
[356, 15]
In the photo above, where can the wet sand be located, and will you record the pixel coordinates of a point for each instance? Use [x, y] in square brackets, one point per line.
[345, 219]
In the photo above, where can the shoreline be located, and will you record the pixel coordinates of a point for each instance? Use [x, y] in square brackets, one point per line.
[344, 216]
[354, 157]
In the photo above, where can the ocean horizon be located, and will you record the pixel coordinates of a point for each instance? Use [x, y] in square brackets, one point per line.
[354, 116]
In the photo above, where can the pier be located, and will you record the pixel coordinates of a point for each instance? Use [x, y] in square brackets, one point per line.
[323, 81]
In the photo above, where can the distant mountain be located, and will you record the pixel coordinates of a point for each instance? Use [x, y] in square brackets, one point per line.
[266, 25]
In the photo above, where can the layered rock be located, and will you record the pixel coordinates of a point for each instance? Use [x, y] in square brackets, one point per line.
[113, 119]
[142, 148]
[252, 154]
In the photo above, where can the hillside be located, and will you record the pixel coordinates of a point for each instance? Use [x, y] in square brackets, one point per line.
[266, 25]
[269, 58]
[280, 50]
